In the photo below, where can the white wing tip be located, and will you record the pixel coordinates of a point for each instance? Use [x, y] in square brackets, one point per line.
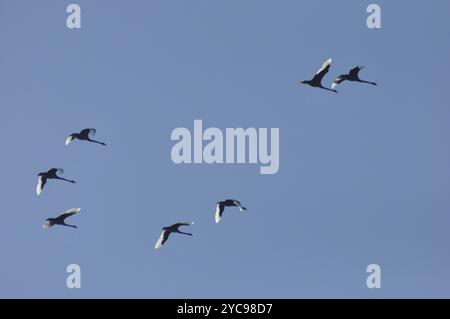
[46, 225]
[69, 140]
[158, 244]
[217, 214]
[92, 132]
[72, 210]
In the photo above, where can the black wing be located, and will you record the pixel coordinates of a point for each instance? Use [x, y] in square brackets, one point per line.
[52, 171]
[40, 186]
[88, 132]
[339, 80]
[181, 224]
[236, 202]
[219, 211]
[322, 71]
[355, 71]
[162, 239]
[68, 213]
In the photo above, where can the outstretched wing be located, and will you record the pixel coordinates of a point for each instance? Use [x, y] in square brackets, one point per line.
[322, 71]
[68, 213]
[89, 132]
[339, 80]
[219, 212]
[162, 239]
[69, 139]
[56, 170]
[40, 186]
[182, 224]
[354, 72]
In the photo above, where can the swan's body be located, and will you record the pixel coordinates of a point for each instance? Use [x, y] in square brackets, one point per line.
[50, 174]
[60, 220]
[317, 79]
[171, 229]
[352, 76]
[227, 203]
[85, 135]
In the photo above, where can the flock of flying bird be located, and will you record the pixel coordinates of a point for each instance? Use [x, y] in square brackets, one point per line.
[352, 76]
[89, 133]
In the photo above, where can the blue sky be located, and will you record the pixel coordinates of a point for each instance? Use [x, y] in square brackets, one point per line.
[364, 175]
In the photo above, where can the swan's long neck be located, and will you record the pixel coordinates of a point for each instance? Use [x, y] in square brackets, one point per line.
[332, 90]
[94, 141]
[64, 179]
[368, 82]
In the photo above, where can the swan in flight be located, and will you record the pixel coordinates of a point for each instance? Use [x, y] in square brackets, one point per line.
[166, 231]
[317, 79]
[50, 174]
[85, 135]
[227, 203]
[60, 220]
[352, 76]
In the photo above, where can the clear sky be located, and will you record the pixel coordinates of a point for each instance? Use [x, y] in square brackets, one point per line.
[364, 175]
